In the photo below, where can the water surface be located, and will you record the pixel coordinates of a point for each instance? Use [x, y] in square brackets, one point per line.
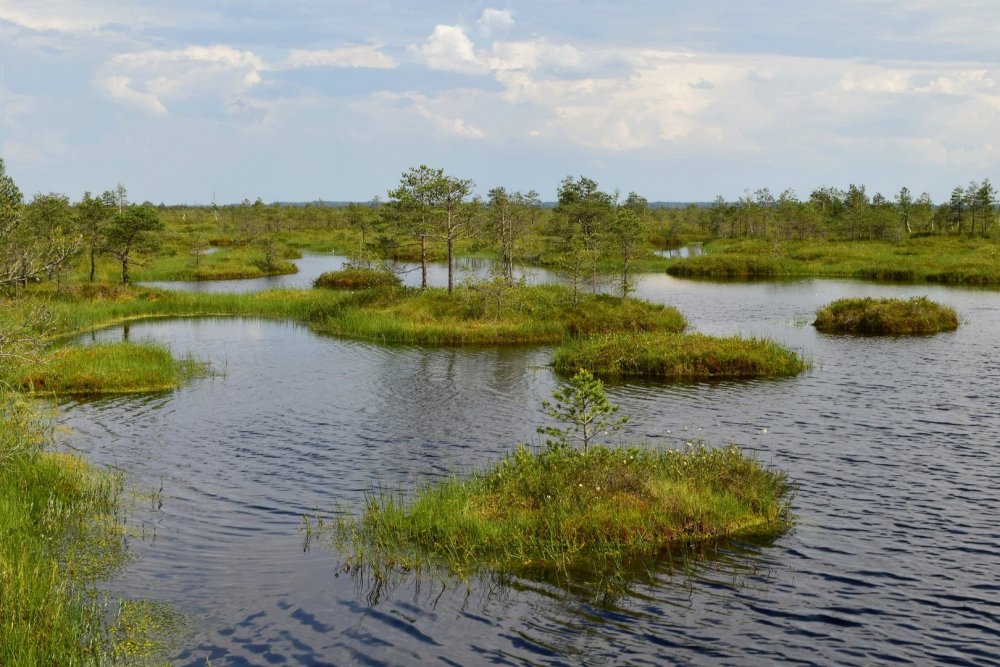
[893, 444]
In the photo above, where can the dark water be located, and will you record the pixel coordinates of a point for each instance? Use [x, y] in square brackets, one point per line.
[893, 442]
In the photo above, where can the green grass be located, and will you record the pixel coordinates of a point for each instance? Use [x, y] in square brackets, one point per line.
[961, 261]
[357, 278]
[61, 534]
[493, 316]
[109, 368]
[562, 509]
[918, 315]
[675, 356]
[225, 264]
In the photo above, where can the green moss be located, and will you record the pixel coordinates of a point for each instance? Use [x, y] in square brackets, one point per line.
[562, 508]
[918, 315]
[676, 356]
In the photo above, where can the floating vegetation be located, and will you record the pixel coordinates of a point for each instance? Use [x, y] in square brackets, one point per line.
[868, 315]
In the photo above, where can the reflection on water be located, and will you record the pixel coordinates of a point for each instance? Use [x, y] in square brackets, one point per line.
[892, 443]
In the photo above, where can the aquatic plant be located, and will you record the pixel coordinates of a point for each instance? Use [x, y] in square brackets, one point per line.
[62, 533]
[675, 356]
[868, 315]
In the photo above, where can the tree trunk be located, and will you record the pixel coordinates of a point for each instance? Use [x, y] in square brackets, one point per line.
[92, 267]
[423, 262]
[125, 278]
[451, 264]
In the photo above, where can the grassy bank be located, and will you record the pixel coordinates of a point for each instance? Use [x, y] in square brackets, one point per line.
[472, 316]
[108, 368]
[959, 261]
[224, 264]
[563, 509]
[676, 356]
[61, 534]
[918, 315]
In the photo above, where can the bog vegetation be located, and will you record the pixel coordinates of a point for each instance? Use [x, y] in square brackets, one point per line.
[868, 315]
[574, 505]
[68, 266]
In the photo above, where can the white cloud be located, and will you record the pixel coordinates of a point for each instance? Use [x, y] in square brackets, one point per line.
[349, 56]
[493, 21]
[150, 79]
[449, 49]
[121, 89]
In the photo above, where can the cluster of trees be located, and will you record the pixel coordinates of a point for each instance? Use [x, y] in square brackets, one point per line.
[586, 234]
[852, 214]
[39, 238]
[587, 227]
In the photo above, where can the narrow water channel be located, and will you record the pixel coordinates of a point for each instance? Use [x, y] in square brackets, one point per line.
[893, 443]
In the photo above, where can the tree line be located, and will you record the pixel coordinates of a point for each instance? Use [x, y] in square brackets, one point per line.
[587, 234]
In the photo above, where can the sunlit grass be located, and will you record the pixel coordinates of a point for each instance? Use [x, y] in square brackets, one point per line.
[563, 508]
[108, 368]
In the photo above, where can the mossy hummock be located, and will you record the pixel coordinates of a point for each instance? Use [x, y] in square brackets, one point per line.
[868, 315]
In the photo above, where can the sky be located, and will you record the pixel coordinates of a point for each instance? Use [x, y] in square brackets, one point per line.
[195, 101]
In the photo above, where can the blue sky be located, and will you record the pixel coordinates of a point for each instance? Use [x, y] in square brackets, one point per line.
[303, 100]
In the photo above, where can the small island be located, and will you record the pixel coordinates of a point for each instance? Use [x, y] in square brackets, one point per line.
[677, 356]
[870, 316]
[573, 503]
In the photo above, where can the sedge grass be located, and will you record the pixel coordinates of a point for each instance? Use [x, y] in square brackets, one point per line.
[561, 509]
[62, 533]
[674, 356]
[918, 315]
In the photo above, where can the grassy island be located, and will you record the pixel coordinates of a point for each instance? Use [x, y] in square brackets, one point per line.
[542, 314]
[675, 356]
[918, 315]
[357, 278]
[109, 368]
[560, 508]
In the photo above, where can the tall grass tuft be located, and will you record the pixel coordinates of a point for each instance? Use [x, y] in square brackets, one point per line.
[674, 356]
[62, 532]
[868, 315]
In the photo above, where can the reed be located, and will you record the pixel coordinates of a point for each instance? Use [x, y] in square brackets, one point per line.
[560, 508]
[674, 356]
[868, 315]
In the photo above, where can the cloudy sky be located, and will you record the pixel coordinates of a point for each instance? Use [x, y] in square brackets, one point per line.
[298, 100]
